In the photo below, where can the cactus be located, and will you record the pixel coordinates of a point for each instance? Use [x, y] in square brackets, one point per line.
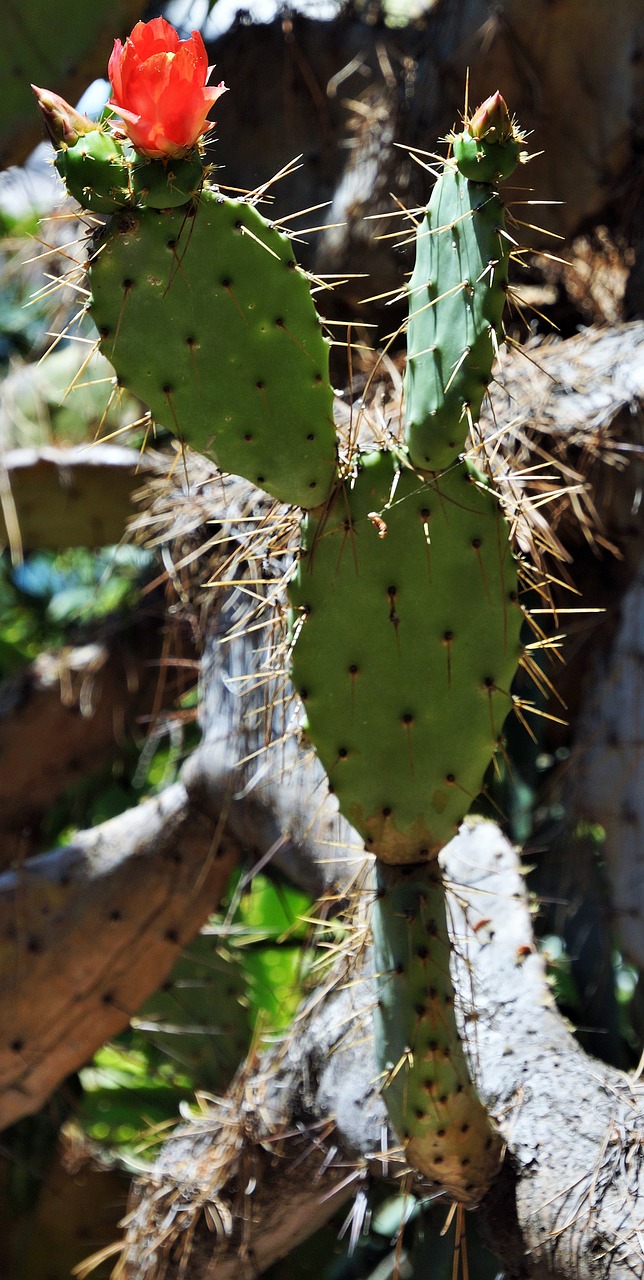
[405, 689]
[205, 315]
[406, 596]
[406, 588]
[457, 290]
[406, 622]
[426, 1080]
[202, 309]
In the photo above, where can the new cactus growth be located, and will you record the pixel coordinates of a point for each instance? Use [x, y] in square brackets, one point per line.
[406, 625]
[457, 290]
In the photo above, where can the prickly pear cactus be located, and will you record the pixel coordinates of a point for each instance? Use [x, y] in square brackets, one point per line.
[407, 640]
[457, 290]
[405, 680]
[408, 627]
[425, 1077]
[205, 315]
[406, 622]
[202, 309]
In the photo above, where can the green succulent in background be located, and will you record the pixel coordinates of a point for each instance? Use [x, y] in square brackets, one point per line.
[51, 592]
[66, 54]
[244, 975]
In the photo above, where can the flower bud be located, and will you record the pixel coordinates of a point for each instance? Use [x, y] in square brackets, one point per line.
[491, 121]
[63, 122]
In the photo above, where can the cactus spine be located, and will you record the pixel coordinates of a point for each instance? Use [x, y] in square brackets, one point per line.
[405, 616]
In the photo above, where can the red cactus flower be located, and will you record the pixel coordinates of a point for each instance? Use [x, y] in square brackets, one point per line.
[159, 88]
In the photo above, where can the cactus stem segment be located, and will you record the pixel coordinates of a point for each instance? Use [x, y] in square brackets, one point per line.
[433, 1105]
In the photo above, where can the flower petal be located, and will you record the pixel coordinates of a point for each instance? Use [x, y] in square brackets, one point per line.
[156, 36]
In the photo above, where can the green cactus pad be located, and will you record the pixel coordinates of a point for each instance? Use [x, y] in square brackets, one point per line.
[96, 171]
[432, 1103]
[406, 646]
[456, 300]
[166, 184]
[483, 161]
[208, 319]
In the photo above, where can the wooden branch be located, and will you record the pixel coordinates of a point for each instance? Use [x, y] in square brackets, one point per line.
[87, 932]
[572, 1191]
[573, 1125]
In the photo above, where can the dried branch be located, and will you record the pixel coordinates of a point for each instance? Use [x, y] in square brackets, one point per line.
[90, 930]
[570, 1199]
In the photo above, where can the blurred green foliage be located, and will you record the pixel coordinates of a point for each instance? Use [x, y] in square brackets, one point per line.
[243, 976]
[52, 593]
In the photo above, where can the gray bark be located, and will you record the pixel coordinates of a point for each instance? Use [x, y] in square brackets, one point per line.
[569, 1200]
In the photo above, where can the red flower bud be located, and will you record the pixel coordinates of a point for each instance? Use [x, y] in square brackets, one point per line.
[64, 123]
[159, 88]
[492, 120]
